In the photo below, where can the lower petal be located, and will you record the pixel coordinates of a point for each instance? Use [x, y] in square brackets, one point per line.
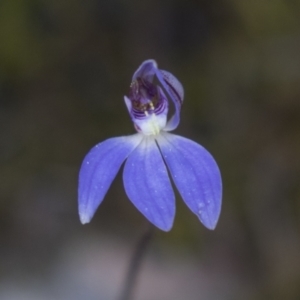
[195, 174]
[98, 170]
[148, 186]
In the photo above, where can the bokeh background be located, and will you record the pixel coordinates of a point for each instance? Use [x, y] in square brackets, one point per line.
[64, 68]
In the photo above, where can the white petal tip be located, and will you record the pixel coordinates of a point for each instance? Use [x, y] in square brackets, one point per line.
[164, 227]
[84, 218]
[167, 229]
[209, 225]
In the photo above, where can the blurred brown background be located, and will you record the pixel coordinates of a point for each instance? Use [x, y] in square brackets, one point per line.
[64, 68]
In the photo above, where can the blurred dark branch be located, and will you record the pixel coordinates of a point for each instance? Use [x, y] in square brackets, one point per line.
[135, 264]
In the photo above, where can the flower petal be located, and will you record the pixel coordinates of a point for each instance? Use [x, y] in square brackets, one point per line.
[196, 175]
[99, 168]
[146, 70]
[175, 87]
[148, 186]
[175, 92]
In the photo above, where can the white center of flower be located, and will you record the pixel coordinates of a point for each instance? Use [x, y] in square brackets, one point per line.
[151, 125]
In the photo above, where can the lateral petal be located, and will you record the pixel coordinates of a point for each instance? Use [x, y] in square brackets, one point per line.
[98, 169]
[195, 174]
[175, 91]
[148, 186]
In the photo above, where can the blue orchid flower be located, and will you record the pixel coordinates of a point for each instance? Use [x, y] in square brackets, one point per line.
[149, 154]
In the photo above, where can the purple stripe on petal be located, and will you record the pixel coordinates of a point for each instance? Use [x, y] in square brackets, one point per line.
[196, 175]
[145, 99]
[175, 92]
[99, 168]
[148, 186]
[175, 87]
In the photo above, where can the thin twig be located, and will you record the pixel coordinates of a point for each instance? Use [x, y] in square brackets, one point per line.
[135, 264]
